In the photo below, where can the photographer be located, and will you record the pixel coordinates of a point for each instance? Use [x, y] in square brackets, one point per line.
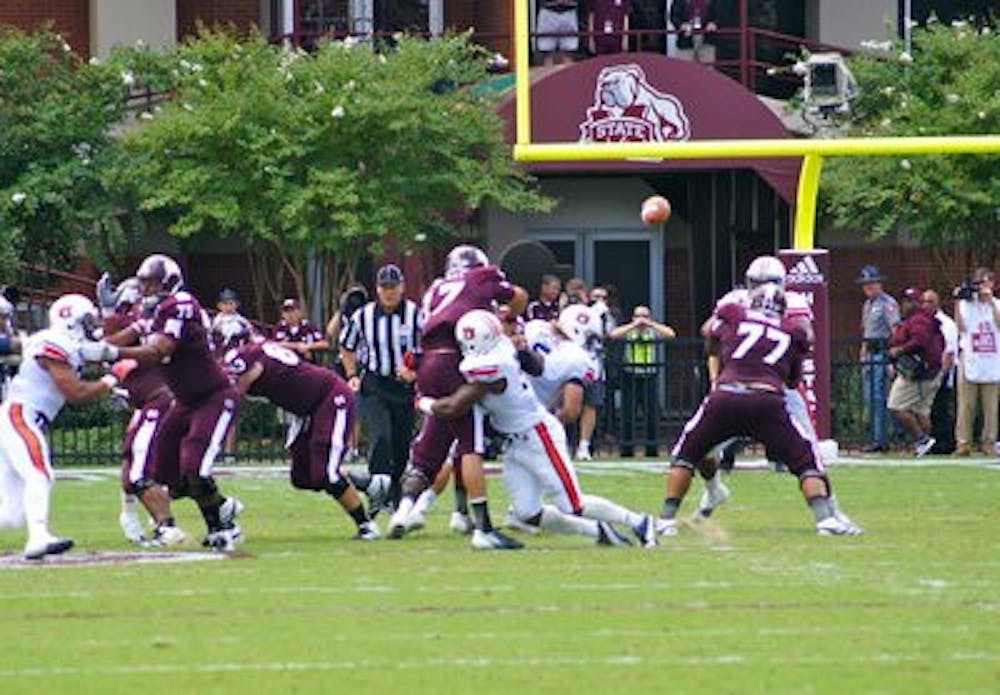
[977, 313]
[916, 347]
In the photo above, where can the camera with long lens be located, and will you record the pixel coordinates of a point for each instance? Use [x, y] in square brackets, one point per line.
[967, 290]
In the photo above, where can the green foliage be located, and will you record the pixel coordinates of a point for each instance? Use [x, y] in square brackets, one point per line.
[321, 155]
[56, 115]
[947, 202]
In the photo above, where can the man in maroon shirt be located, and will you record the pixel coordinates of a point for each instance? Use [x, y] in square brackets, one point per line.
[609, 23]
[205, 402]
[915, 347]
[323, 406]
[470, 282]
[761, 352]
[295, 332]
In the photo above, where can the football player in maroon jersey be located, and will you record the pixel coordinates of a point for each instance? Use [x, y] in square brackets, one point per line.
[323, 406]
[469, 283]
[761, 351]
[205, 402]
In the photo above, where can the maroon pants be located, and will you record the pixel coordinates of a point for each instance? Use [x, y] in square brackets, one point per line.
[759, 415]
[192, 435]
[141, 442]
[319, 449]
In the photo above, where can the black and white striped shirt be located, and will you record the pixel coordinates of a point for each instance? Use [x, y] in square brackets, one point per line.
[386, 337]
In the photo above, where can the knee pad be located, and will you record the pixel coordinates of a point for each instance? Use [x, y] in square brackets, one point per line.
[414, 481]
[338, 488]
[808, 473]
[681, 463]
[140, 487]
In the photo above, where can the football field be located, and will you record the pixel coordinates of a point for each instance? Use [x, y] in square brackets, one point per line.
[752, 602]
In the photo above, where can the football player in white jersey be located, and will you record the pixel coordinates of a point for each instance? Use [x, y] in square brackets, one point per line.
[48, 377]
[536, 461]
[566, 368]
[764, 270]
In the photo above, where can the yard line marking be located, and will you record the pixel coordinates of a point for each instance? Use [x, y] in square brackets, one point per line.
[478, 662]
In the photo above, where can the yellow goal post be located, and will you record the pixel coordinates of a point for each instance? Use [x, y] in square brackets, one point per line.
[811, 150]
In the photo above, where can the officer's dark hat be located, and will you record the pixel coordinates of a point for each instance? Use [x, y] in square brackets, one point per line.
[870, 273]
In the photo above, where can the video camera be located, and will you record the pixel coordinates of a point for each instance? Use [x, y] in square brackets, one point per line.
[829, 86]
[967, 290]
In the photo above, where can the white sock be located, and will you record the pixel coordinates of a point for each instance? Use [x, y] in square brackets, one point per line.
[426, 500]
[601, 509]
[584, 445]
[36, 508]
[404, 509]
[715, 483]
[129, 503]
[554, 520]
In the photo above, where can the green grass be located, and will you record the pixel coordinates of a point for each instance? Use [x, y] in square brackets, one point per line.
[912, 606]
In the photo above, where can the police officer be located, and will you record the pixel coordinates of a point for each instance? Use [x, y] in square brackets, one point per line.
[387, 329]
[879, 315]
[640, 370]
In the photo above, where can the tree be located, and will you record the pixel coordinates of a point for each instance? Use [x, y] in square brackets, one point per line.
[320, 157]
[949, 203]
[56, 115]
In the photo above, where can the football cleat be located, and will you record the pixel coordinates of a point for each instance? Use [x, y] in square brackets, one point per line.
[924, 445]
[583, 453]
[832, 526]
[461, 524]
[367, 531]
[224, 540]
[714, 495]
[647, 531]
[48, 546]
[397, 524]
[839, 514]
[666, 527]
[229, 510]
[511, 521]
[494, 540]
[415, 521]
[608, 535]
[166, 536]
[131, 527]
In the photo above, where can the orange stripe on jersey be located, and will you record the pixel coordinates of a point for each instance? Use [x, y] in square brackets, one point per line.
[557, 462]
[54, 352]
[29, 437]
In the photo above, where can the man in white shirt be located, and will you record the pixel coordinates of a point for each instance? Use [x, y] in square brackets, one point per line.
[943, 411]
[977, 314]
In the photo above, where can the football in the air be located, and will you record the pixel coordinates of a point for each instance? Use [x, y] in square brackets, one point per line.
[655, 210]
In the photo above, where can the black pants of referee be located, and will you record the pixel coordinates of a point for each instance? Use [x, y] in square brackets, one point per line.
[386, 409]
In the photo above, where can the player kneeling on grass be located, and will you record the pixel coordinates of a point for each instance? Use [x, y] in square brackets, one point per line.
[536, 460]
[761, 352]
[323, 406]
[49, 376]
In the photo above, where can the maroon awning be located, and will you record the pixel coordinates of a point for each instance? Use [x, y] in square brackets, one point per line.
[647, 96]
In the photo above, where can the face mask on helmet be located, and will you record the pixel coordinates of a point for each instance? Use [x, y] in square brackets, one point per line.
[764, 270]
[159, 276]
[769, 299]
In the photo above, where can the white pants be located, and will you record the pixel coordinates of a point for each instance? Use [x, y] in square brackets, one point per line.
[537, 465]
[25, 472]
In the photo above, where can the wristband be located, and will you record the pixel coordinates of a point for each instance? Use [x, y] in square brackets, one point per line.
[107, 312]
[109, 380]
[425, 404]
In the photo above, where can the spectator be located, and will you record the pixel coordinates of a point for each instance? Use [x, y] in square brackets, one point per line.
[943, 410]
[640, 370]
[295, 332]
[608, 23]
[879, 315]
[389, 329]
[230, 329]
[695, 19]
[546, 307]
[978, 319]
[559, 20]
[916, 347]
[651, 17]
[576, 292]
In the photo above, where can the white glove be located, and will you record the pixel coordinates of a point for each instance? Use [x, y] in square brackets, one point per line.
[98, 351]
[107, 294]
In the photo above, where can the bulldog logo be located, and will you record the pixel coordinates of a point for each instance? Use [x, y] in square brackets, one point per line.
[629, 109]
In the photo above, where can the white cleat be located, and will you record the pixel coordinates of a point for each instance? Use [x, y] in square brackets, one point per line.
[368, 531]
[47, 546]
[224, 540]
[131, 527]
[647, 532]
[229, 510]
[494, 540]
[832, 526]
[583, 453]
[398, 524]
[715, 494]
[608, 535]
[666, 527]
[511, 521]
[461, 524]
[415, 521]
[165, 537]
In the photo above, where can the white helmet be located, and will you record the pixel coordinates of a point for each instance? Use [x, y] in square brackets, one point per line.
[162, 269]
[580, 323]
[539, 335]
[768, 298]
[463, 258]
[764, 269]
[478, 332]
[74, 315]
[129, 292]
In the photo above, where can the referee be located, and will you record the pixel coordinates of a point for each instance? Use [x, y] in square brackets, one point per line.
[382, 332]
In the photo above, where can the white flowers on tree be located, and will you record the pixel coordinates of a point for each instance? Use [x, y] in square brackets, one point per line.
[18, 198]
